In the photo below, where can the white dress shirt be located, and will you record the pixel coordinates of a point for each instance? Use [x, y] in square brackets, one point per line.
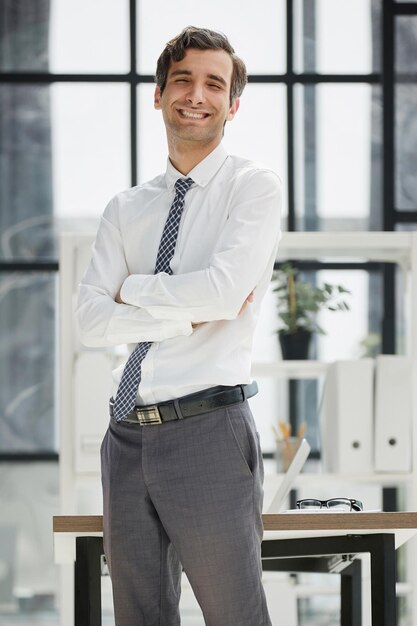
[226, 247]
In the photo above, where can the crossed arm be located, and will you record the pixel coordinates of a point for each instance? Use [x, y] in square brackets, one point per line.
[196, 324]
[117, 307]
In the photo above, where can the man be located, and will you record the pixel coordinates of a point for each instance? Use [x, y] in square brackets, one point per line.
[179, 269]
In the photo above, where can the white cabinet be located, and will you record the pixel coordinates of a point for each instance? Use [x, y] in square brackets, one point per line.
[399, 248]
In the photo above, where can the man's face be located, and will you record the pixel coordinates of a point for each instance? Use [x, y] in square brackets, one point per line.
[195, 103]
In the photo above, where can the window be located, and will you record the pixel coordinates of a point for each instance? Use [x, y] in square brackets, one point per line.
[327, 97]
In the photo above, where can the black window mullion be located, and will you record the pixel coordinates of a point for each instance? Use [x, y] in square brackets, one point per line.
[133, 95]
[408, 217]
[290, 119]
[315, 79]
[405, 8]
[388, 42]
[46, 77]
[292, 78]
[28, 457]
[388, 114]
[28, 266]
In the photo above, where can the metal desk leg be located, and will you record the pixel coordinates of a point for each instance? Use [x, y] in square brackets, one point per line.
[88, 581]
[383, 577]
[351, 594]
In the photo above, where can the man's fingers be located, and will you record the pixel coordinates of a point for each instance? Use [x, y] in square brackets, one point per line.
[245, 304]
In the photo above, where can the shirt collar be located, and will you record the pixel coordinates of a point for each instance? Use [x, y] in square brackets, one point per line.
[202, 173]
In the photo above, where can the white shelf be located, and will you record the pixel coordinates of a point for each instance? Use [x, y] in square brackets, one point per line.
[290, 369]
[372, 246]
[306, 479]
[390, 247]
[383, 479]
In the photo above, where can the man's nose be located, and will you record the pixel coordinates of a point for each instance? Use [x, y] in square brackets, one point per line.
[195, 94]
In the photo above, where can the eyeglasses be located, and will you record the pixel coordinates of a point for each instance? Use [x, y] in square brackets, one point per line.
[342, 504]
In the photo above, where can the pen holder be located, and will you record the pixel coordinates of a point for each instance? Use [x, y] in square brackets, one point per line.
[285, 452]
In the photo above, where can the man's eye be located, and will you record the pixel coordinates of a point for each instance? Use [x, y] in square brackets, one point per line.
[214, 85]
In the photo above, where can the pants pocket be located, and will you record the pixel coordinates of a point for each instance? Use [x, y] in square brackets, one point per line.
[260, 459]
[243, 437]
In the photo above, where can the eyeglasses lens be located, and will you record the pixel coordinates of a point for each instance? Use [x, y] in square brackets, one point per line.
[310, 504]
[341, 504]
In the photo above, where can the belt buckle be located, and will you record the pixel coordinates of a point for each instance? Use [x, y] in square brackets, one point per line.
[148, 415]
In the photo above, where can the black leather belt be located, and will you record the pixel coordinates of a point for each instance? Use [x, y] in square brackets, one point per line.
[190, 405]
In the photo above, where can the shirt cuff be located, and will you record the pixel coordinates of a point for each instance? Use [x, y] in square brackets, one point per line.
[159, 332]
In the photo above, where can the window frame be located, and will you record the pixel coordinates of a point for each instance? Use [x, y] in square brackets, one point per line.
[392, 218]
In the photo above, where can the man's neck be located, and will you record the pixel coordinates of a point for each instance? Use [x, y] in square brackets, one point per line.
[185, 157]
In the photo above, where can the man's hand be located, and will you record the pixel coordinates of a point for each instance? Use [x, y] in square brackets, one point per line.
[245, 304]
[117, 297]
[242, 309]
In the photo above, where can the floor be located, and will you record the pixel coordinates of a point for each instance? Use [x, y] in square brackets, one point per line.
[51, 619]
[190, 611]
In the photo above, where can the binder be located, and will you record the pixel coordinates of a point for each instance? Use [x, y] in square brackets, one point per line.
[393, 416]
[346, 417]
[92, 387]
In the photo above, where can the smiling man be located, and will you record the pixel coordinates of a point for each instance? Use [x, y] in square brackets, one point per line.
[179, 269]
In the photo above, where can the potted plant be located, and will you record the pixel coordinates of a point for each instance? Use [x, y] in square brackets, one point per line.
[298, 303]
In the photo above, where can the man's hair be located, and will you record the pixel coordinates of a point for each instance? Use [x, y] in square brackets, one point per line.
[201, 39]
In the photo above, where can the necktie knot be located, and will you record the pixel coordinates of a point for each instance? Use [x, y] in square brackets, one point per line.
[182, 186]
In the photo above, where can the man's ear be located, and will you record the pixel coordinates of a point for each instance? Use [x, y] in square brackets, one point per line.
[157, 98]
[233, 109]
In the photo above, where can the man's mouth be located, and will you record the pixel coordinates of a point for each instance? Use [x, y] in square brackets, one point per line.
[193, 115]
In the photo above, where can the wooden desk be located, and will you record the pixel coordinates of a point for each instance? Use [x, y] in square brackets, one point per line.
[324, 542]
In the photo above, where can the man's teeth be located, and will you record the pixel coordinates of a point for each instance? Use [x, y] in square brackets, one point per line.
[195, 116]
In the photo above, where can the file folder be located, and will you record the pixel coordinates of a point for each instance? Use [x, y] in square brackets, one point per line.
[92, 386]
[393, 417]
[346, 417]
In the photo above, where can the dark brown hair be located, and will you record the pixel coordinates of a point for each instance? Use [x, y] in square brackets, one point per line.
[202, 39]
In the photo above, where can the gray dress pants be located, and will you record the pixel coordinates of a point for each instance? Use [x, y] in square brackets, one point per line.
[185, 495]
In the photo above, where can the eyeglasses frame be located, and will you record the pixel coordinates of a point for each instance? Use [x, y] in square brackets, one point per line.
[355, 505]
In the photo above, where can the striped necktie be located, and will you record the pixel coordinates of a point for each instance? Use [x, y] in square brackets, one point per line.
[125, 399]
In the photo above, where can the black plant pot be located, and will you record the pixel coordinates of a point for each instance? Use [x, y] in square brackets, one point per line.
[295, 345]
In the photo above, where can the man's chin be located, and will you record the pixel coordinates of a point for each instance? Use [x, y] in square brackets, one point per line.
[194, 134]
